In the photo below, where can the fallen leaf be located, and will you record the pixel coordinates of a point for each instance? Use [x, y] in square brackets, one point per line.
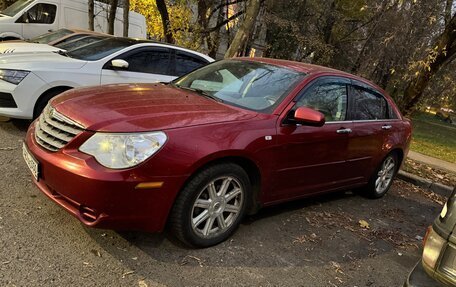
[364, 224]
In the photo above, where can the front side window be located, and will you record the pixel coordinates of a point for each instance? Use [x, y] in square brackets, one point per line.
[330, 99]
[41, 13]
[150, 61]
[368, 105]
[251, 85]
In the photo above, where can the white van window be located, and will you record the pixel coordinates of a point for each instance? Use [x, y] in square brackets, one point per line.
[40, 14]
[16, 7]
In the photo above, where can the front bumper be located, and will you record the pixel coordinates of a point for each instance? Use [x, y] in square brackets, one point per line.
[101, 197]
[24, 96]
[419, 278]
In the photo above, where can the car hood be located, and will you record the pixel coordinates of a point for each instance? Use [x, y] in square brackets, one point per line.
[40, 61]
[8, 48]
[143, 107]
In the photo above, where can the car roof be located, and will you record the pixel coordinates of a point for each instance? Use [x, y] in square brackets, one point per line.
[135, 41]
[308, 68]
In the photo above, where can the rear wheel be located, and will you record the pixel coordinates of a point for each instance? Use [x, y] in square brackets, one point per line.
[381, 180]
[211, 206]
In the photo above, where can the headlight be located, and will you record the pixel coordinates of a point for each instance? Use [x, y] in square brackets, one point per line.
[432, 246]
[120, 151]
[13, 76]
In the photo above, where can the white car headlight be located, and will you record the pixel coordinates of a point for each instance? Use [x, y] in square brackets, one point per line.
[118, 151]
[13, 76]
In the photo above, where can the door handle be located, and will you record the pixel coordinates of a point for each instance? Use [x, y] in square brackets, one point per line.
[344, 131]
[50, 30]
[386, 127]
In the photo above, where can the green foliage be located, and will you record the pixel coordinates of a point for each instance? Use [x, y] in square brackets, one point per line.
[434, 138]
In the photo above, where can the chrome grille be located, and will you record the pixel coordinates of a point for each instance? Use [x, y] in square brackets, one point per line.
[53, 130]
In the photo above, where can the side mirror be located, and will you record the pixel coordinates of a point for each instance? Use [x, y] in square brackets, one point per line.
[119, 64]
[309, 117]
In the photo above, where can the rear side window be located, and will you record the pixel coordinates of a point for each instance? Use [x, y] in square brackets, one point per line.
[330, 99]
[153, 61]
[185, 63]
[368, 105]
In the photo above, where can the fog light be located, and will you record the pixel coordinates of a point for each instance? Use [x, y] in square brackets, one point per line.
[432, 246]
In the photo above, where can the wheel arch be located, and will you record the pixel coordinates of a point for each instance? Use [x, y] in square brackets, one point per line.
[10, 36]
[247, 163]
[50, 91]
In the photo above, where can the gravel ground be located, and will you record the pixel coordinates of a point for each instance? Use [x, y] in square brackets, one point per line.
[334, 240]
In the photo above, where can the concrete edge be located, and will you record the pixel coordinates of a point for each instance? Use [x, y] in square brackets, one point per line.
[426, 183]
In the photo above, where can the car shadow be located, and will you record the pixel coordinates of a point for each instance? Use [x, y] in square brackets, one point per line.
[14, 125]
[304, 233]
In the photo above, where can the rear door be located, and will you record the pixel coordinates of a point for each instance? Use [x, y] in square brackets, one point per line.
[146, 65]
[312, 159]
[370, 114]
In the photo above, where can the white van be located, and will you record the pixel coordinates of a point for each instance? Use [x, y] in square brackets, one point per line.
[26, 19]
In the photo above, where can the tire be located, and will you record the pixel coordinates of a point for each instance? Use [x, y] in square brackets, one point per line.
[380, 182]
[43, 101]
[203, 216]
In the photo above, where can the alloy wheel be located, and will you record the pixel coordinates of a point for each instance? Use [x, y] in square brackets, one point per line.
[217, 207]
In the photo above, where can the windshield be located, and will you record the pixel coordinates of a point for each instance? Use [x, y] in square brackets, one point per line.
[79, 42]
[50, 37]
[98, 50]
[251, 85]
[16, 7]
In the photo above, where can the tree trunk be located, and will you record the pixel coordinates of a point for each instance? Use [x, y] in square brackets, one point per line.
[213, 39]
[161, 6]
[448, 8]
[91, 15]
[112, 15]
[443, 52]
[242, 34]
[126, 17]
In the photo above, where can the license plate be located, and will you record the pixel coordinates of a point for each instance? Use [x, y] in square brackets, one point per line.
[31, 162]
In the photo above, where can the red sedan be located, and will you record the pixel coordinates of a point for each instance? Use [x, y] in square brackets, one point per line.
[216, 144]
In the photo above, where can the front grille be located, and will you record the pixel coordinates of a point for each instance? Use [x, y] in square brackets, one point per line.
[7, 101]
[53, 130]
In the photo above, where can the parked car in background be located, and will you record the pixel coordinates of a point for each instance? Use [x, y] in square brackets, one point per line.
[63, 36]
[26, 19]
[438, 264]
[63, 39]
[29, 81]
[218, 143]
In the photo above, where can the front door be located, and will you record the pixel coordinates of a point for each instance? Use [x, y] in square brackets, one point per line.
[40, 19]
[312, 159]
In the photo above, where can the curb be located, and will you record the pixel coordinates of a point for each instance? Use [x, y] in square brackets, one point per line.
[426, 183]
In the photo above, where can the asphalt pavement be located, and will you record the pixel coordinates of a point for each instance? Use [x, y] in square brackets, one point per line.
[340, 239]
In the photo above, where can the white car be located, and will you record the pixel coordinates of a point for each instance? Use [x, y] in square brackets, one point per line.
[29, 81]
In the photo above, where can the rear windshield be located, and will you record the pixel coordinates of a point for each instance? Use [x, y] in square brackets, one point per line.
[98, 50]
[50, 37]
[16, 7]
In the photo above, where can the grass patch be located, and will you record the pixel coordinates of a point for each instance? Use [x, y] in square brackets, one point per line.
[434, 138]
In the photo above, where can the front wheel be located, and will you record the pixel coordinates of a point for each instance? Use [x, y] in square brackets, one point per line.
[211, 206]
[381, 180]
